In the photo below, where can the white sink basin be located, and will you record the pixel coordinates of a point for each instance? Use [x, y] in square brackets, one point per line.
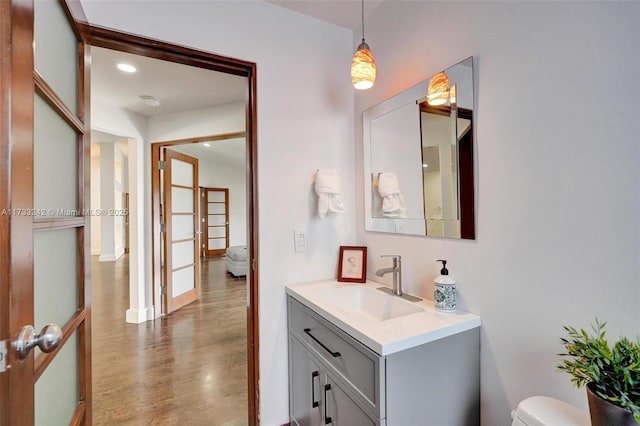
[384, 323]
[369, 303]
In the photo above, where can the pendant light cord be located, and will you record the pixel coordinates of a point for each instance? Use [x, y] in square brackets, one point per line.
[362, 8]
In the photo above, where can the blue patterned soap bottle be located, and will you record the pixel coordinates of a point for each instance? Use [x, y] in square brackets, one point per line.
[444, 291]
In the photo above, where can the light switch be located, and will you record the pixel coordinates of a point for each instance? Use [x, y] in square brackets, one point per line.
[299, 241]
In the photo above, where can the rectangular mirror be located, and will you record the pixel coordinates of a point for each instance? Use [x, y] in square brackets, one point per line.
[418, 158]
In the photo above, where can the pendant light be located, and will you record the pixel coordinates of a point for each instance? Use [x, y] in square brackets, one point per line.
[363, 66]
[438, 91]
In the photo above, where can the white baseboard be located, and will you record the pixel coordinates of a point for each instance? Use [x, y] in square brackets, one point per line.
[119, 252]
[107, 258]
[135, 316]
[111, 257]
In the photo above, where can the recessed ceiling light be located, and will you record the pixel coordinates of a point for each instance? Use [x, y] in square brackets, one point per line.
[150, 100]
[207, 144]
[425, 166]
[126, 67]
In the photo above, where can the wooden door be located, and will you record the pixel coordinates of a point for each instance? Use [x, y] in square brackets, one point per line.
[181, 260]
[44, 221]
[216, 220]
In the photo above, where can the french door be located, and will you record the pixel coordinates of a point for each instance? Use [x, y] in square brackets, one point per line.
[45, 366]
[181, 235]
[215, 218]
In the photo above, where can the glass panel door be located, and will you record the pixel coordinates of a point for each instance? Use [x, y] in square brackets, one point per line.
[50, 378]
[58, 235]
[216, 220]
[181, 247]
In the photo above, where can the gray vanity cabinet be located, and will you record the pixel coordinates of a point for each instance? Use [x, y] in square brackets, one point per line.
[316, 397]
[334, 379]
[305, 391]
[342, 408]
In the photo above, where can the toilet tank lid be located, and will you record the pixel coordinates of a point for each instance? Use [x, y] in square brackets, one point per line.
[542, 410]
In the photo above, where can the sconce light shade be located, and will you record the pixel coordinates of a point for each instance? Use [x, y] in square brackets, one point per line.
[363, 68]
[438, 91]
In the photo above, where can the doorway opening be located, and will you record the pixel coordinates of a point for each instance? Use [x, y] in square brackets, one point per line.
[209, 219]
[104, 38]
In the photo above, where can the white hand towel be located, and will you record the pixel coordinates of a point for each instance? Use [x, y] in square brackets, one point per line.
[328, 190]
[392, 200]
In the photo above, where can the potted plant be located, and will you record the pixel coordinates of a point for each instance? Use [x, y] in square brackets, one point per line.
[611, 374]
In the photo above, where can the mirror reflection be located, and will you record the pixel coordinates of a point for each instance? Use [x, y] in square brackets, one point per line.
[397, 172]
[419, 158]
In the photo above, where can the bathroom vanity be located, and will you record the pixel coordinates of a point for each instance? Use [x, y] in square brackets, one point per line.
[358, 356]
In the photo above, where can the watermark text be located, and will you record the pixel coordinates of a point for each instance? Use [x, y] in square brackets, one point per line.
[63, 212]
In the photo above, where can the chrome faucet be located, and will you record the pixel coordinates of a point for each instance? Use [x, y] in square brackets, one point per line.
[397, 273]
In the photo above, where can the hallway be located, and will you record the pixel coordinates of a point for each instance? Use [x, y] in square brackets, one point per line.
[189, 368]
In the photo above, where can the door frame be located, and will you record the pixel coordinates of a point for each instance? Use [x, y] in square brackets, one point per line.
[116, 40]
[205, 216]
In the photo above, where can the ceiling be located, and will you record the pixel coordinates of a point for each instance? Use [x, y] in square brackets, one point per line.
[228, 151]
[179, 87]
[343, 13]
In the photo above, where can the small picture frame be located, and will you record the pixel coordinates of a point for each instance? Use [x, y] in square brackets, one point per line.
[352, 265]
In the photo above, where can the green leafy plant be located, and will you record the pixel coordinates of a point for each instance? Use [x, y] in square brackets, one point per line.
[614, 372]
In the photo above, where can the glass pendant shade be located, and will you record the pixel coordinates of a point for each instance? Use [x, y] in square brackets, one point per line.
[438, 91]
[363, 68]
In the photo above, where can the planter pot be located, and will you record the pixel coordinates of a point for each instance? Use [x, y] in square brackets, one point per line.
[604, 413]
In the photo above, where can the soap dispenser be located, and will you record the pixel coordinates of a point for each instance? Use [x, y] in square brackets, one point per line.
[444, 291]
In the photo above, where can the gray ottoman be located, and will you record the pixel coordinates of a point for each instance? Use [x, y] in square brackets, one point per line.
[237, 261]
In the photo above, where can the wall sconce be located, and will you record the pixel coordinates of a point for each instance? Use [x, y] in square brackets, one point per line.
[363, 66]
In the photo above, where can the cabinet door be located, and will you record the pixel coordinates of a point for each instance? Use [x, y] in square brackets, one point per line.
[304, 386]
[341, 409]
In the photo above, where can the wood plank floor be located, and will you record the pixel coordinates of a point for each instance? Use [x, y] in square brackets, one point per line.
[188, 369]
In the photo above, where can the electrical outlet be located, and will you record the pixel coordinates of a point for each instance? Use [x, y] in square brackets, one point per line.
[299, 241]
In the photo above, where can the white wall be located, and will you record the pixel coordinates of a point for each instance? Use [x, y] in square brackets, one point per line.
[209, 121]
[120, 187]
[305, 122]
[558, 204]
[133, 128]
[108, 184]
[107, 202]
[116, 121]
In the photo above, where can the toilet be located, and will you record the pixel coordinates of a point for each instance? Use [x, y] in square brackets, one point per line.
[545, 411]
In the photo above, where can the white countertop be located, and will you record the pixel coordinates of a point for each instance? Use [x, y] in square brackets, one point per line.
[389, 336]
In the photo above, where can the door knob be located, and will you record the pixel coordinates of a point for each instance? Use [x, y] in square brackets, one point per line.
[47, 340]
